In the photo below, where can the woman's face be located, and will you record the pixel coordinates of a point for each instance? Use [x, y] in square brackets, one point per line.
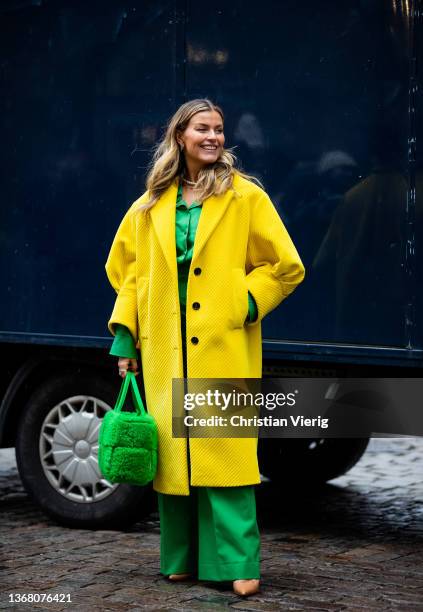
[203, 138]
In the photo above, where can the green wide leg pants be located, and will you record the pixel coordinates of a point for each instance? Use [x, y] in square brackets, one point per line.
[213, 531]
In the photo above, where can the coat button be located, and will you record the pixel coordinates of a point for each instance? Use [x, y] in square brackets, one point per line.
[194, 340]
[196, 305]
[197, 271]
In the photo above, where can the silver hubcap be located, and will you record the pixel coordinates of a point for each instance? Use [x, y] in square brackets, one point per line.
[69, 449]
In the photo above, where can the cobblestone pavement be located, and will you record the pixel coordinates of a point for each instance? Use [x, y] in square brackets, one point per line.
[355, 544]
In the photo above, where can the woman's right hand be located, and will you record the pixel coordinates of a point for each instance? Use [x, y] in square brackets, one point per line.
[125, 364]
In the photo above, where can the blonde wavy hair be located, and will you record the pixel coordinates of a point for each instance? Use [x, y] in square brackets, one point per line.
[168, 160]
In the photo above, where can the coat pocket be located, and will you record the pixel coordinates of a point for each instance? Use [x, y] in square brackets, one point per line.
[142, 306]
[239, 298]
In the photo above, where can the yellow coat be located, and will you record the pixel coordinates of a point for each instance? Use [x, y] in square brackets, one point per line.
[241, 245]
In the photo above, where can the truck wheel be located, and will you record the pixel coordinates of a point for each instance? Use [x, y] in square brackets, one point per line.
[56, 454]
[308, 461]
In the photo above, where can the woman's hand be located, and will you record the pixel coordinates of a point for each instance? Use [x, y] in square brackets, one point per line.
[125, 364]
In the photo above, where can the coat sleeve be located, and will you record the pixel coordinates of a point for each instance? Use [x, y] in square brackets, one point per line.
[273, 265]
[121, 272]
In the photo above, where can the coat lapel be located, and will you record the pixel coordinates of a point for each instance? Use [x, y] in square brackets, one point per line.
[214, 208]
[163, 218]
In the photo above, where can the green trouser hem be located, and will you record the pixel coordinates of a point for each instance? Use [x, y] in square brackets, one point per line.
[226, 571]
[229, 571]
[177, 564]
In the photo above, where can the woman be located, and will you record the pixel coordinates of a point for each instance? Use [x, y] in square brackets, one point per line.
[197, 262]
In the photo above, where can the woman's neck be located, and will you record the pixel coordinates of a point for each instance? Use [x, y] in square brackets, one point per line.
[191, 172]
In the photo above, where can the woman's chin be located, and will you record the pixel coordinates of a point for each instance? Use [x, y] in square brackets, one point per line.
[208, 158]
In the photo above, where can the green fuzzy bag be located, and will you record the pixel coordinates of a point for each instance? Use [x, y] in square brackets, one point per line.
[128, 441]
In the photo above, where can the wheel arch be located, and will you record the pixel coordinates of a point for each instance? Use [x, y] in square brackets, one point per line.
[29, 376]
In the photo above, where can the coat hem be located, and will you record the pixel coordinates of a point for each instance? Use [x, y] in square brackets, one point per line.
[186, 492]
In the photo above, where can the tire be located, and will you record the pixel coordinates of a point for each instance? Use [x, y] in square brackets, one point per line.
[308, 461]
[56, 454]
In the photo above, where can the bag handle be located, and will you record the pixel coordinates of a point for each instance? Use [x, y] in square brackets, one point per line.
[130, 380]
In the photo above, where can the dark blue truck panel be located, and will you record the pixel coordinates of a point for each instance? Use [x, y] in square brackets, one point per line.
[321, 103]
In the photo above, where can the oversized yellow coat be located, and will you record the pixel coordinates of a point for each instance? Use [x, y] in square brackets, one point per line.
[241, 245]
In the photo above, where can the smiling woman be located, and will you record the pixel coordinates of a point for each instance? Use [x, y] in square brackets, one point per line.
[197, 263]
[202, 142]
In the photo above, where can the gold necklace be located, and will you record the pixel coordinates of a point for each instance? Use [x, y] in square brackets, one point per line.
[191, 183]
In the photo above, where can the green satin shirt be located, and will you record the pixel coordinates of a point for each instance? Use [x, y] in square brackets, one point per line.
[186, 223]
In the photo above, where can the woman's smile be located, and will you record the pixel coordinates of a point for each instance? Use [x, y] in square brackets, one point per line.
[210, 150]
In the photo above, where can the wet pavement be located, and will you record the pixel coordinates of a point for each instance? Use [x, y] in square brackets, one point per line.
[353, 544]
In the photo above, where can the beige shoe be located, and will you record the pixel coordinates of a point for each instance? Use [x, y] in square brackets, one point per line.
[176, 577]
[246, 587]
